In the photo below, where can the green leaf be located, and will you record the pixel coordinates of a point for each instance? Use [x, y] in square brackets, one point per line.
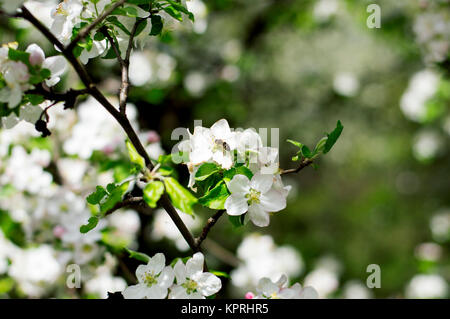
[117, 23]
[153, 192]
[205, 171]
[137, 255]
[237, 221]
[307, 152]
[92, 222]
[174, 13]
[181, 8]
[96, 196]
[19, 56]
[216, 197]
[298, 144]
[320, 145]
[157, 25]
[180, 196]
[6, 284]
[333, 137]
[35, 99]
[116, 192]
[219, 273]
[134, 155]
[140, 27]
[240, 170]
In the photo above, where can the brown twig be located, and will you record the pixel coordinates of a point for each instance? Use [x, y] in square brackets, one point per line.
[306, 162]
[128, 202]
[209, 224]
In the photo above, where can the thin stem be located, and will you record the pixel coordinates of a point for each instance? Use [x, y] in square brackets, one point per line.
[306, 162]
[209, 224]
[86, 30]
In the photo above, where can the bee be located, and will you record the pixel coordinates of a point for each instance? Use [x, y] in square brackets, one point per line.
[223, 144]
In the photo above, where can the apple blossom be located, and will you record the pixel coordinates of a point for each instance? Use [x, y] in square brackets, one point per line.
[153, 280]
[278, 290]
[256, 196]
[192, 282]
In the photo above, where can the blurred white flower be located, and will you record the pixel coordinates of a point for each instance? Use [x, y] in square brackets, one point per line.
[355, 289]
[346, 84]
[35, 269]
[103, 283]
[261, 258]
[163, 227]
[267, 289]
[422, 86]
[325, 9]
[440, 225]
[325, 277]
[427, 287]
[427, 144]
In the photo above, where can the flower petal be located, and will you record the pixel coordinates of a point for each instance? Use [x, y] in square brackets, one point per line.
[178, 292]
[258, 215]
[309, 293]
[156, 292]
[135, 292]
[262, 183]
[239, 184]
[267, 287]
[180, 272]
[195, 265]
[157, 263]
[165, 279]
[236, 205]
[221, 129]
[273, 201]
[208, 284]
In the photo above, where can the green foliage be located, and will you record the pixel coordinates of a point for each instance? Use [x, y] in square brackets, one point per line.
[205, 171]
[157, 25]
[216, 197]
[323, 146]
[181, 198]
[153, 192]
[237, 221]
[137, 255]
[11, 229]
[134, 155]
[92, 223]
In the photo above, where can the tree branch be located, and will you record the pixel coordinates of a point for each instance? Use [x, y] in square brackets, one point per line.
[86, 30]
[128, 202]
[306, 162]
[209, 224]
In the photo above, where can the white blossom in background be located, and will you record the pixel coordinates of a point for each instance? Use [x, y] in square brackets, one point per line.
[11, 6]
[428, 286]
[428, 251]
[192, 282]
[346, 84]
[95, 130]
[325, 9]
[267, 289]
[260, 257]
[26, 171]
[35, 268]
[154, 279]
[440, 225]
[164, 227]
[324, 277]
[355, 289]
[422, 86]
[427, 145]
[432, 29]
[200, 12]
[126, 223]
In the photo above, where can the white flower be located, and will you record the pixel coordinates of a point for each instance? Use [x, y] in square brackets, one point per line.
[103, 283]
[257, 196]
[278, 290]
[65, 16]
[164, 227]
[192, 282]
[56, 64]
[214, 144]
[427, 286]
[154, 280]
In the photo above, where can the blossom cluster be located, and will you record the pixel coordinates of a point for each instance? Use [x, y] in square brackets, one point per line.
[182, 281]
[42, 198]
[257, 187]
[20, 72]
[267, 289]
[432, 29]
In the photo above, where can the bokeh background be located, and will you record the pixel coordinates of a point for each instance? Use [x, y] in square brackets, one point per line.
[381, 196]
